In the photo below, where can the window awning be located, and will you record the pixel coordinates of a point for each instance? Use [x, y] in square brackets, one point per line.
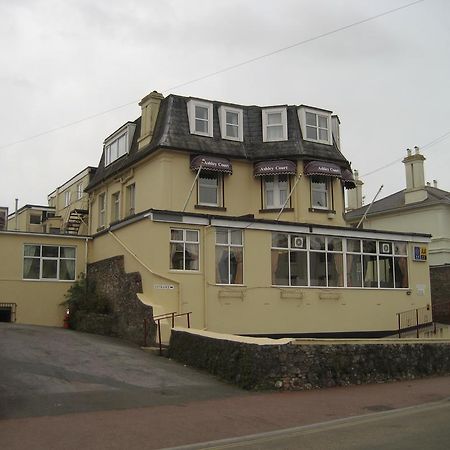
[322, 168]
[212, 163]
[348, 180]
[280, 167]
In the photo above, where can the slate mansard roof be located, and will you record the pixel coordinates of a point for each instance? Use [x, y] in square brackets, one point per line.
[172, 132]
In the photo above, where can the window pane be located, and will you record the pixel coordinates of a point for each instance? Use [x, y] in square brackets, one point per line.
[236, 265]
[323, 121]
[32, 250]
[370, 271]
[319, 199]
[317, 262]
[385, 248]
[401, 272]
[222, 236]
[191, 256]
[232, 131]
[298, 241]
[35, 219]
[335, 269]
[50, 251]
[323, 134]
[386, 272]
[311, 133]
[400, 248]
[176, 235]
[176, 256]
[280, 267]
[236, 237]
[191, 236]
[49, 268]
[354, 245]
[232, 118]
[208, 195]
[299, 269]
[222, 261]
[274, 118]
[201, 126]
[67, 252]
[67, 269]
[201, 112]
[122, 145]
[275, 133]
[335, 244]
[31, 267]
[310, 119]
[354, 271]
[283, 197]
[279, 240]
[369, 246]
[269, 199]
[317, 242]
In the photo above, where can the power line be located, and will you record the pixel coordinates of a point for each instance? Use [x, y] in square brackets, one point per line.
[439, 139]
[218, 72]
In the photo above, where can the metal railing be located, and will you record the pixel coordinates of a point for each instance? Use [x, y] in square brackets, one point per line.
[157, 319]
[414, 319]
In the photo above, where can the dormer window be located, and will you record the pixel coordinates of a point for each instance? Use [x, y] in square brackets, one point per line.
[315, 124]
[119, 143]
[231, 123]
[200, 117]
[274, 123]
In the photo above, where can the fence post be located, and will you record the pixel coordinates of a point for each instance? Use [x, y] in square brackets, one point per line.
[159, 337]
[417, 323]
[399, 325]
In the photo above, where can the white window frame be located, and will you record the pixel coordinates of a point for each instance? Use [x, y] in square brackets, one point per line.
[191, 113]
[79, 191]
[42, 258]
[327, 191]
[67, 198]
[318, 112]
[131, 199]
[265, 124]
[185, 241]
[223, 110]
[219, 189]
[115, 206]
[102, 210]
[277, 203]
[229, 246]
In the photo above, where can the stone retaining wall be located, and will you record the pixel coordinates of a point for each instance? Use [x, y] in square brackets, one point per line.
[283, 364]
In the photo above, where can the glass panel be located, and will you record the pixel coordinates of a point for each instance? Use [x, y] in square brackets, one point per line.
[280, 267]
[299, 269]
[191, 236]
[369, 246]
[323, 121]
[283, 197]
[385, 248]
[222, 261]
[236, 237]
[32, 250]
[298, 241]
[317, 264]
[386, 272]
[67, 269]
[370, 271]
[317, 242]
[222, 236]
[335, 244]
[401, 272]
[400, 248]
[319, 199]
[310, 119]
[273, 118]
[232, 131]
[176, 256]
[114, 147]
[49, 268]
[201, 126]
[67, 252]
[275, 133]
[354, 271]
[236, 266]
[323, 134]
[280, 240]
[335, 269]
[176, 235]
[31, 267]
[35, 219]
[269, 199]
[232, 118]
[311, 133]
[208, 195]
[354, 245]
[191, 257]
[51, 252]
[201, 112]
[122, 145]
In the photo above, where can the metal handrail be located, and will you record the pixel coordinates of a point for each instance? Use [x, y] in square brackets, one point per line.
[413, 318]
[158, 318]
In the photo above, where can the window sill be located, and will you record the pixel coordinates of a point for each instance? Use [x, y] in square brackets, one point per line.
[320, 210]
[215, 208]
[275, 210]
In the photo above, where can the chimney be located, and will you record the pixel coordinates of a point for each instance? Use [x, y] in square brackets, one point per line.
[354, 196]
[335, 122]
[415, 177]
[150, 108]
[435, 183]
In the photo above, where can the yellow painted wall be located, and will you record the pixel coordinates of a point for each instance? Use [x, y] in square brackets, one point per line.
[38, 302]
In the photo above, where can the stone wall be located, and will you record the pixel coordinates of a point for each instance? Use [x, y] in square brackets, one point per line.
[440, 292]
[127, 311]
[284, 364]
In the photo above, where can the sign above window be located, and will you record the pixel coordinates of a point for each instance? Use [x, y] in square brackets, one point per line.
[212, 163]
[326, 169]
[281, 167]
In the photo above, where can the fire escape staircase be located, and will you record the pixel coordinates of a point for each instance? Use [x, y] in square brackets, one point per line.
[76, 218]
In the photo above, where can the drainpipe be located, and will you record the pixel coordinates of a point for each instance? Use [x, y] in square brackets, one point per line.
[85, 255]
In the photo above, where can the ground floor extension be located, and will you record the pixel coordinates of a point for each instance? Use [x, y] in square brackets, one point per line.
[245, 276]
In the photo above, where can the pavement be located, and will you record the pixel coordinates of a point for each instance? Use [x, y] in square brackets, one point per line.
[60, 389]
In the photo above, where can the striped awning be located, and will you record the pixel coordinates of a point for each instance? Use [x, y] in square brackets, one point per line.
[323, 168]
[279, 167]
[348, 180]
[211, 163]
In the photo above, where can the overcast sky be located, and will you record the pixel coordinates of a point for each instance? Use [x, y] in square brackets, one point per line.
[62, 61]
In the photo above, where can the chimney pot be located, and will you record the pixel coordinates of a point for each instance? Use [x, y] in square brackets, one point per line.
[435, 183]
[416, 149]
[428, 184]
[408, 151]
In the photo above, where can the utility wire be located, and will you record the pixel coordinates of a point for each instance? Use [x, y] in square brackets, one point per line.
[218, 72]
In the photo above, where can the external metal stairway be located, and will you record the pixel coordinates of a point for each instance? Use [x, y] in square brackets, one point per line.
[76, 218]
